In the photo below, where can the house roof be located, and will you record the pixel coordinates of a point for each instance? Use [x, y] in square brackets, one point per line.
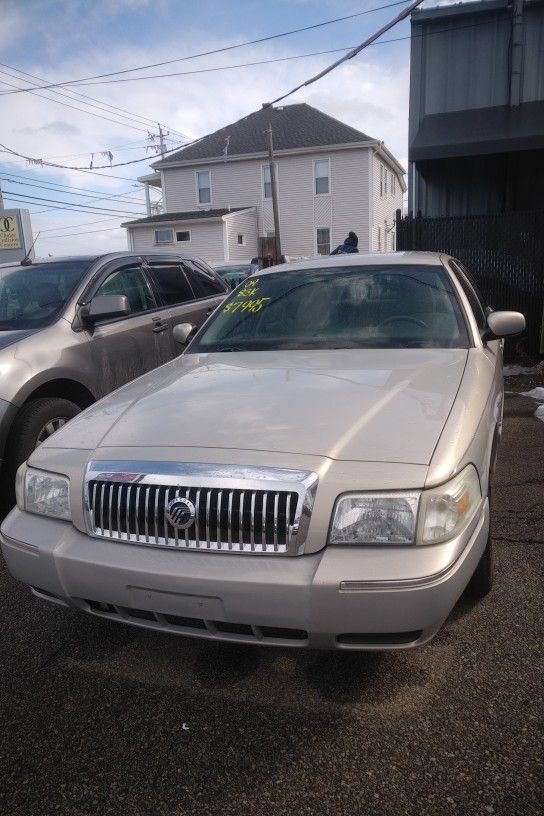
[193, 215]
[294, 126]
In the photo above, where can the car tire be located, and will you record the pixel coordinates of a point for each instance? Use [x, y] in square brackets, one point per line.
[30, 423]
[481, 582]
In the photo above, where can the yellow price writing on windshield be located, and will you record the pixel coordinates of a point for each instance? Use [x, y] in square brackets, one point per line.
[246, 305]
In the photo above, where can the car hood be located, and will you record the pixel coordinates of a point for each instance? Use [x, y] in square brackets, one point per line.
[376, 405]
[9, 337]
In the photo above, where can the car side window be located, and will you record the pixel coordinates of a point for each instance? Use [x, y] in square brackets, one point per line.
[132, 283]
[204, 285]
[475, 300]
[171, 284]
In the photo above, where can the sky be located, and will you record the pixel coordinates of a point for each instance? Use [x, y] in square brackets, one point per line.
[74, 39]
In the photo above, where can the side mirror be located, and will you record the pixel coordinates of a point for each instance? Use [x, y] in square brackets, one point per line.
[503, 324]
[103, 307]
[182, 332]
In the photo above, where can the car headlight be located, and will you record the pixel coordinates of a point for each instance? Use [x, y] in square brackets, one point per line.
[447, 509]
[375, 518]
[426, 517]
[47, 494]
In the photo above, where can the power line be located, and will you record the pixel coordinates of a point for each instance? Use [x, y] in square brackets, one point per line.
[73, 107]
[110, 176]
[216, 50]
[353, 53]
[281, 59]
[75, 94]
[119, 196]
[89, 207]
[44, 163]
[77, 234]
[105, 220]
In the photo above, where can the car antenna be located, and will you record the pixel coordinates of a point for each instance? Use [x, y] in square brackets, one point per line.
[27, 261]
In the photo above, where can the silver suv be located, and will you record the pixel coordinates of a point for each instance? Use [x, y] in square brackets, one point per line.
[74, 329]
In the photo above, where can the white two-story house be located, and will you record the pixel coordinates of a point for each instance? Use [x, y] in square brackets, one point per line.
[217, 192]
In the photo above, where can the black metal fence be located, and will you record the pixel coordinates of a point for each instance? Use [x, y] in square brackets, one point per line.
[504, 253]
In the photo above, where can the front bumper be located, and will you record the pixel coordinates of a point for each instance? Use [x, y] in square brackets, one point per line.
[339, 597]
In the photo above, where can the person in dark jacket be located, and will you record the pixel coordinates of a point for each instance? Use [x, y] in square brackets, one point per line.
[349, 245]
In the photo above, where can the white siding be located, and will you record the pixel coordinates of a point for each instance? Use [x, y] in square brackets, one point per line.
[206, 240]
[384, 206]
[234, 184]
[244, 223]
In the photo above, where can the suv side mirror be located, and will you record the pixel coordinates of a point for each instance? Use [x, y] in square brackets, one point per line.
[103, 307]
[182, 332]
[503, 324]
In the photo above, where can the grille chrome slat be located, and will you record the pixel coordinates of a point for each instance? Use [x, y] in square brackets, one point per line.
[276, 508]
[229, 519]
[244, 515]
[208, 501]
[218, 537]
[146, 514]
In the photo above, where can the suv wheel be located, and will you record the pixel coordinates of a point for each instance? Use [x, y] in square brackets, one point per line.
[34, 423]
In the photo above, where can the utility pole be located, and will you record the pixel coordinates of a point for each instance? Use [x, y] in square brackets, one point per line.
[274, 194]
[1, 198]
[161, 139]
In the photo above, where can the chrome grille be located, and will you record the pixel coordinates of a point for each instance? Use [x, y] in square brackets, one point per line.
[246, 510]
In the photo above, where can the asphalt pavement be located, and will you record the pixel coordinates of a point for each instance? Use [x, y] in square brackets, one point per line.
[98, 718]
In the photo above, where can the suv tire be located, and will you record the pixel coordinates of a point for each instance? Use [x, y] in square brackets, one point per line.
[29, 424]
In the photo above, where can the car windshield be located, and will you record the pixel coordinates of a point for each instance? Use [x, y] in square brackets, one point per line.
[32, 296]
[381, 306]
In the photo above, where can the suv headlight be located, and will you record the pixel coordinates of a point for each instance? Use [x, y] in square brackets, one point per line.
[47, 494]
[426, 517]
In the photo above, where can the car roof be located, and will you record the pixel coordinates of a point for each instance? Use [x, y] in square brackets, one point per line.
[360, 259]
[109, 256]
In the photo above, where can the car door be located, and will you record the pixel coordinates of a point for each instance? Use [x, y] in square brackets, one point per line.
[188, 302]
[209, 288]
[123, 348]
[174, 292]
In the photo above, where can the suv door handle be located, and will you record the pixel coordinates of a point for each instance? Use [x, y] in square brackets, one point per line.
[159, 326]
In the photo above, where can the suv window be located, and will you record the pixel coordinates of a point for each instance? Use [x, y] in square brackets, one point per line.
[203, 284]
[474, 297]
[132, 283]
[171, 284]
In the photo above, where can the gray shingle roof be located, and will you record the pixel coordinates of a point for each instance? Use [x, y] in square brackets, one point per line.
[182, 216]
[294, 126]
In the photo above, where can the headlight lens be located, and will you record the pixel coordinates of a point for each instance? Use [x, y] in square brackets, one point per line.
[447, 509]
[426, 517]
[375, 519]
[47, 494]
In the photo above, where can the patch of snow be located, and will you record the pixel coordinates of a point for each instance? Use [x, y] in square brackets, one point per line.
[539, 413]
[516, 370]
[535, 393]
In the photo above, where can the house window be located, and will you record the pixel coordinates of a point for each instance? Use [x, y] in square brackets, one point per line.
[384, 181]
[379, 239]
[381, 179]
[241, 239]
[204, 187]
[267, 183]
[323, 235]
[393, 186]
[322, 173]
[183, 237]
[164, 236]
